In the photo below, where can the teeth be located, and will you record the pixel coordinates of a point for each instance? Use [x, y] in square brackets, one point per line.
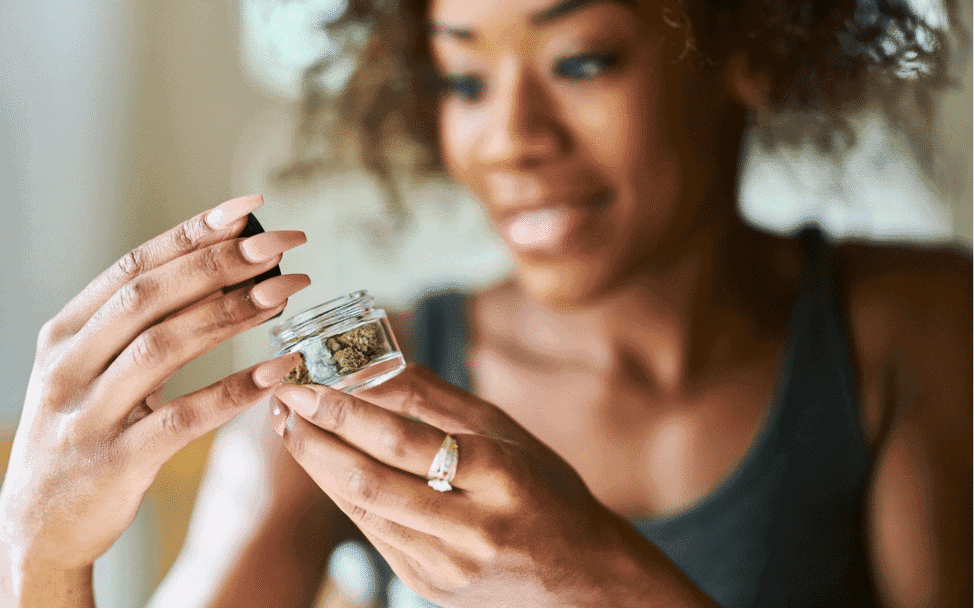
[534, 228]
[540, 217]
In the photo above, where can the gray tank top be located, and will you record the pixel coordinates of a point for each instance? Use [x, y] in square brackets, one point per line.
[784, 529]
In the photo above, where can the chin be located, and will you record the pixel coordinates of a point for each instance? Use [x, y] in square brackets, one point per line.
[564, 284]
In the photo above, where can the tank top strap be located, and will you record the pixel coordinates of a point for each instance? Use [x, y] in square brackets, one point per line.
[821, 329]
[440, 335]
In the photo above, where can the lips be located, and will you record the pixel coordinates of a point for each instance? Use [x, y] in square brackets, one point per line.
[551, 228]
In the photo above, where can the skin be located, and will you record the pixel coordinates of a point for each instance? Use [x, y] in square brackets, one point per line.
[607, 344]
[94, 433]
[629, 334]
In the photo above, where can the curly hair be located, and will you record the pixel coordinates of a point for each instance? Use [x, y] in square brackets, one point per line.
[825, 60]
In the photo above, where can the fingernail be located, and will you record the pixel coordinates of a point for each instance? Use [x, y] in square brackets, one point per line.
[271, 372]
[226, 213]
[304, 400]
[279, 416]
[276, 290]
[262, 247]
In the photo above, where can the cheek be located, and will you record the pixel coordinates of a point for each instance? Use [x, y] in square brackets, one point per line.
[458, 136]
[625, 134]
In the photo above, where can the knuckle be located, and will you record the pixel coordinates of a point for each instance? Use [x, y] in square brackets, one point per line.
[189, 235]
[116, 453]
[49, 334]
[55, 381]
[413, 400]
[396, 443]
[492, 464]
[461, 574]
[150, 348]
[360, 488]
[489, 539]
[210, 262]
[296, 443]
[133, 298]
[334, 415]
[229, 311]
[132, 264]
[358, 515]
[177, 421]
[506, 486]
[420, 583]
[233, 395]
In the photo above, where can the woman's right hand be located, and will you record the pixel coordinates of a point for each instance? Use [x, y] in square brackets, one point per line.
[93, 435]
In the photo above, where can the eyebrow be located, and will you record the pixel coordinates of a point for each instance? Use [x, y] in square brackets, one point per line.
[559, 10]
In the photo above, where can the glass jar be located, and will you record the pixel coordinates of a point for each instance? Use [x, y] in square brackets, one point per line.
[345, 343]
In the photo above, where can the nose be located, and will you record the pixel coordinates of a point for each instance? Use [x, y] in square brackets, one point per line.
[523, 129]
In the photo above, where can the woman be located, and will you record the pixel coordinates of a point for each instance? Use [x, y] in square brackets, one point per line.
[663, 407]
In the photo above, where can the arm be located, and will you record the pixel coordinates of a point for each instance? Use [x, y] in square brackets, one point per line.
[261, 530]
[94, 432]
[71, 589]
[919, 508]
[517, 521]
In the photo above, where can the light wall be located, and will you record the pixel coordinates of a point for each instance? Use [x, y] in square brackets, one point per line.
[118, 119]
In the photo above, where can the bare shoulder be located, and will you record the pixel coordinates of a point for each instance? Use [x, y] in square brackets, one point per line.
[909, 311]
[902, 294]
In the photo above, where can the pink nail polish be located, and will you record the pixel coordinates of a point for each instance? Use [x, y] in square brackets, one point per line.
[226, 213]
[302, 399]
[279, 416]
[271, 372]
[262, 247]
[276, 290]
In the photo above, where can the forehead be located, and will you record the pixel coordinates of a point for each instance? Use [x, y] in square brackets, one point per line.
[469, 16]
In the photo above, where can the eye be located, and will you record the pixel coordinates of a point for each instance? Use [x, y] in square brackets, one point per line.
[586, 67]
[469, 88]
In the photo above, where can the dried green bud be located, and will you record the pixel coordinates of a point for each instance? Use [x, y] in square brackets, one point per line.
[299, 375]
[349, 360]
[363, 339]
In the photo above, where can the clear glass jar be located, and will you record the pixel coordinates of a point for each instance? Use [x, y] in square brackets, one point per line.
[345, 343]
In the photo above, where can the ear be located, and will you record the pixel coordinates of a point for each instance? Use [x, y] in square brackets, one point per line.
[751, 89]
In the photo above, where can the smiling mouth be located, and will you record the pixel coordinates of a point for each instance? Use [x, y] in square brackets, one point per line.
[553, 229]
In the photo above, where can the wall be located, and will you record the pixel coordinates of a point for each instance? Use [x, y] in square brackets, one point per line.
[118, 119]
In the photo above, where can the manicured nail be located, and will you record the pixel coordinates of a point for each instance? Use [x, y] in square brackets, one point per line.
[302, 399]
[279, 416]
[271, 372]
[226, 213]
[262, 247]
[276, 290]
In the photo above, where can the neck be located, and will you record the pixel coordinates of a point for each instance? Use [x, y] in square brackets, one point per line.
[702, 309]
[708, 304]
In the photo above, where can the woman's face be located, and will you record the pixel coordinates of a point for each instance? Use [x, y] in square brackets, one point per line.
[565, 120]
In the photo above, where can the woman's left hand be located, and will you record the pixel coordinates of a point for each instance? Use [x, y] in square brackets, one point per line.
[519, 522]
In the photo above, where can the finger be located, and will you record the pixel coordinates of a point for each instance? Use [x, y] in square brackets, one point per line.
[418, 393]
[346, 473]
[411, 570]
[158, 436]
[162, 349]
[203, 230]
[169, 288]
[406, 444]
[397, 537]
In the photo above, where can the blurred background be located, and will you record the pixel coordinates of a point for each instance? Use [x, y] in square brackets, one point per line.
[121, 118]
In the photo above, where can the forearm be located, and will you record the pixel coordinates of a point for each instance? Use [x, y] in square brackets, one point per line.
[282, 566]
[24, 587]
[638, 575]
